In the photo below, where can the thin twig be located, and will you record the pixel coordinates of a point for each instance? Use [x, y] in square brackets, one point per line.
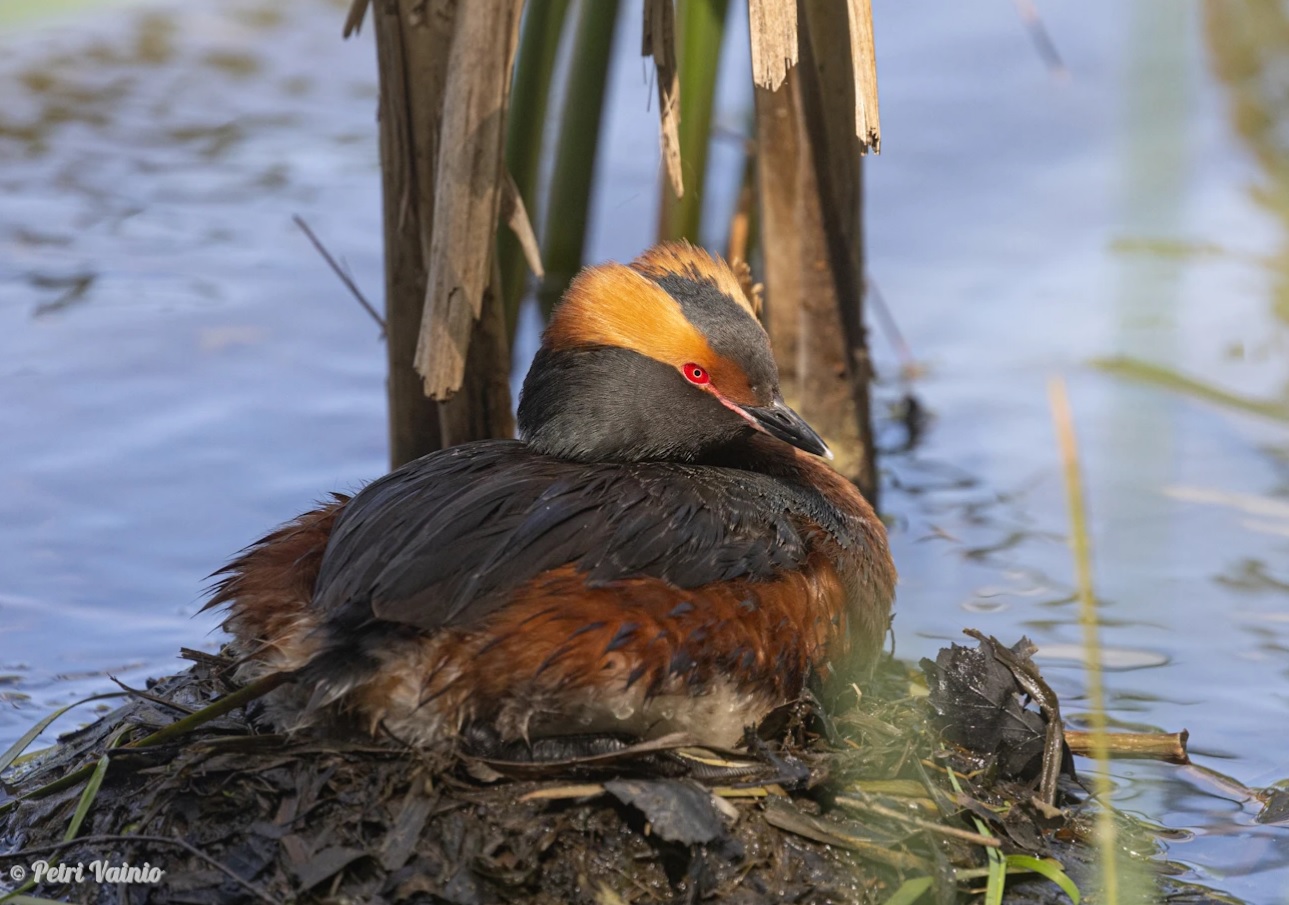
[149, 696]
[909, 368]
[354, 20]
[1042, 39]
[160, 840]
[1169, 747]
[926, 825]
[340, 272]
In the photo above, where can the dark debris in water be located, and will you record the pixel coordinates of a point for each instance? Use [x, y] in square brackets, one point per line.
[982, 707]
[232, 815]
[1276, 807]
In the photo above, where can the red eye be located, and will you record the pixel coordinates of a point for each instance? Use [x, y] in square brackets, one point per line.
[695, 374]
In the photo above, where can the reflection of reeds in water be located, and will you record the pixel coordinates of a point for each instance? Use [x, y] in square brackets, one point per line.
[1249, 46]
[1170, 379]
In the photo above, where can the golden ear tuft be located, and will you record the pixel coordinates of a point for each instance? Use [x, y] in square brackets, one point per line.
[613, 305]
[686, 260]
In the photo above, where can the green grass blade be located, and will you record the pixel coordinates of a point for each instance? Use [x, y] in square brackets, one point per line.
[95, 782]
[910, 891]
[218, 708]
[225, 704]
[997, 881]
[538, 49]
[15, 750]
[1049, 869]
[700, 31]
[21, 899]
[564, 233]
[88, 794]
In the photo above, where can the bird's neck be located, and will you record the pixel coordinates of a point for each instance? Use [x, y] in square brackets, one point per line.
[613, 405]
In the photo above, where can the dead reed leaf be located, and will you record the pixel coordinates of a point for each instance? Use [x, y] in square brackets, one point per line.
[660, 43]
[515, 213]
[773, 30]
[863, 57]
[467, 189]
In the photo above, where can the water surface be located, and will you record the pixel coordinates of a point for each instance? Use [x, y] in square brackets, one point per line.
[179, 371]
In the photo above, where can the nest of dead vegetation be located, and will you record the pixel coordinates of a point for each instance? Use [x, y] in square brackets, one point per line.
[873, 806]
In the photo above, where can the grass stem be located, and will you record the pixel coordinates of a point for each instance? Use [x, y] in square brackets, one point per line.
[1081, 548]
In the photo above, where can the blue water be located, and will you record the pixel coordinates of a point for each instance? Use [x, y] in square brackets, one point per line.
[179, 371]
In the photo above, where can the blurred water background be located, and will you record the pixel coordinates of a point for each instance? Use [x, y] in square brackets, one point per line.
[179, 371]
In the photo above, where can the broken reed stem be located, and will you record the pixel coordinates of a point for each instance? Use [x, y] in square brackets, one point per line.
[659, 42]
[1080, 546]
[863, 61]
[467, 189]
[773, 29]
[1169, 747]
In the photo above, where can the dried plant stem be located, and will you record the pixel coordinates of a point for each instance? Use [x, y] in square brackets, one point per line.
[339, 272]
[467, 189]
[1169, 747]
[1081, 547]
[938, 829]
[411, 54]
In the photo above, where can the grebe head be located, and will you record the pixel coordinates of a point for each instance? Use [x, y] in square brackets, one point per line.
[660, 359]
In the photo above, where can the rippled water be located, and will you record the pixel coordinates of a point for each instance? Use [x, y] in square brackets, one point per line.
[179, 372]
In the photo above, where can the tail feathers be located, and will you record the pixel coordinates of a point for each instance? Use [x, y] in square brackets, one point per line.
[268, 590]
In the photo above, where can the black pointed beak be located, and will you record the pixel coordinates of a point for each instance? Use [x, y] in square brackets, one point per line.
[778, 420]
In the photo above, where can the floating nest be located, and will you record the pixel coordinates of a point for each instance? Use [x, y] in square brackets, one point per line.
[902, 796]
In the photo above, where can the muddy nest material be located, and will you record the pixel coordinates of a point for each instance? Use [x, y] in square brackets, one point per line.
[851, 811]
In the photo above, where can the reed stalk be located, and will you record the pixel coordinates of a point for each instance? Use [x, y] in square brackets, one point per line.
[1081, 547]
[701, 30]
[569, 201]
[539, 44]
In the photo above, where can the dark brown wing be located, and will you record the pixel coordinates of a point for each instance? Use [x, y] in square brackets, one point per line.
[446, 540]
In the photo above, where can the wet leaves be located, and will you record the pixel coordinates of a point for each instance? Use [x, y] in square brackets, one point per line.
[677, 811]
[1276, 808]
[981, 707]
